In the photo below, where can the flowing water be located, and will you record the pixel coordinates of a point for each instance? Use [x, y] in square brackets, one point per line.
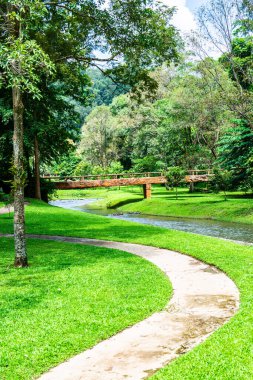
[225, 230]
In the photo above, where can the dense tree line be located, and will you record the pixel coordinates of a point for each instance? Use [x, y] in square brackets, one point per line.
[180, 126]
[45, 50]
[199, 117]
[120, 65]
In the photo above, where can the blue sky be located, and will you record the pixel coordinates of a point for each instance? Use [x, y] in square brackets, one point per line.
[194, 4]
[184, 18]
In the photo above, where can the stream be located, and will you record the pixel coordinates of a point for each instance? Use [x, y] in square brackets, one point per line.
[226, 230]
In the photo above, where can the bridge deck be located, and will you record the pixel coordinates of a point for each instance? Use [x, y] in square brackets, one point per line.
[125, 179]
[84, 184]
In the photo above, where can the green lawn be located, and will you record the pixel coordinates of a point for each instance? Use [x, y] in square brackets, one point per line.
[70, 298]
[238, 208]
[97, 192]
[207, 206]
[227, 354]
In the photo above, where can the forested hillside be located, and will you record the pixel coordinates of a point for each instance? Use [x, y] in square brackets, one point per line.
[199, 116]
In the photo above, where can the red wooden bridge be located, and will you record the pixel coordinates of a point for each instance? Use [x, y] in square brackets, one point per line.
[124, 179]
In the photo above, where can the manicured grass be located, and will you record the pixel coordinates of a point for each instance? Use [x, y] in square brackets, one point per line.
[227, 354]
[206, 206]
[70, 298]
[238, 208]
[113, 192]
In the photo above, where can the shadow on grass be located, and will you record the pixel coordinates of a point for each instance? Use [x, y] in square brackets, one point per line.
[54, 261]
[125, 202]
[240, 196]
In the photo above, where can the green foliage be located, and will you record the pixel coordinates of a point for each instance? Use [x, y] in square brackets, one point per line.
[247, 184]
[102, 91]
[115, 167]
[175, 176]
[147, 164]
[82, 168]
[236, 151]
[245, 24]
[241, 69]
[97, 143]
[65, 167]
[179, 126]
[31, 59]
[221, 181]
[50, 65]
[22, 60]
[120, 104]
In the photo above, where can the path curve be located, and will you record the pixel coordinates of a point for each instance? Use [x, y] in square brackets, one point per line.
[6, 210]
[204, 298]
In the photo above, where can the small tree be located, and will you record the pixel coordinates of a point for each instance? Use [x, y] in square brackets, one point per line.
[221, 181]
[247, 183]
[175, 175]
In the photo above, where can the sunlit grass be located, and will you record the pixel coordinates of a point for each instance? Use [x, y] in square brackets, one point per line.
[238, 207]
[227, 354]
[70, 298]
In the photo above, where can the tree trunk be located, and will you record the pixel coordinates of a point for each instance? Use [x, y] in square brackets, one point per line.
[19, 180]
[37, 168]
[191, 187]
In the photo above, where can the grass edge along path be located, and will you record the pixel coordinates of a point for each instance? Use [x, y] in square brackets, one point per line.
[139, 350]
[70, 298]
[227, 354]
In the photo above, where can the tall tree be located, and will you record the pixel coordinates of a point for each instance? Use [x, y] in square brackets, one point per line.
[20, 59]
[225, 26]
[36, 36]
[97, 143]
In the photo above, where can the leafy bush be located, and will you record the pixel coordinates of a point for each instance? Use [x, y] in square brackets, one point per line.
[147, 164]
[83, 168]
[236, 152]
[115, 167]
[175, 175]
[221, 181]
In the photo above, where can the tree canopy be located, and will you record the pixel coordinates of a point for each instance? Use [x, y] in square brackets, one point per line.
[50, 44]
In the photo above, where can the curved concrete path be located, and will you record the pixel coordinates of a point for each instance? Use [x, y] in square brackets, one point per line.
[6, 210]
[204, 299]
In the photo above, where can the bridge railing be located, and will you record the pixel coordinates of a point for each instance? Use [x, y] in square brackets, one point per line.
[99, 177]
[102, 176]
[200, 172]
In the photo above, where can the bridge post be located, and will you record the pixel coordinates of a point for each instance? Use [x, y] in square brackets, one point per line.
[147, 190]
[191, 187]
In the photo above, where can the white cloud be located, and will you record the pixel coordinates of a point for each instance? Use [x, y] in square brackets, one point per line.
[184, 18]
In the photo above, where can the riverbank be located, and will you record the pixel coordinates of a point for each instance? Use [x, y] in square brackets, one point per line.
[237, 208]
[227, 354]
[238, 232]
